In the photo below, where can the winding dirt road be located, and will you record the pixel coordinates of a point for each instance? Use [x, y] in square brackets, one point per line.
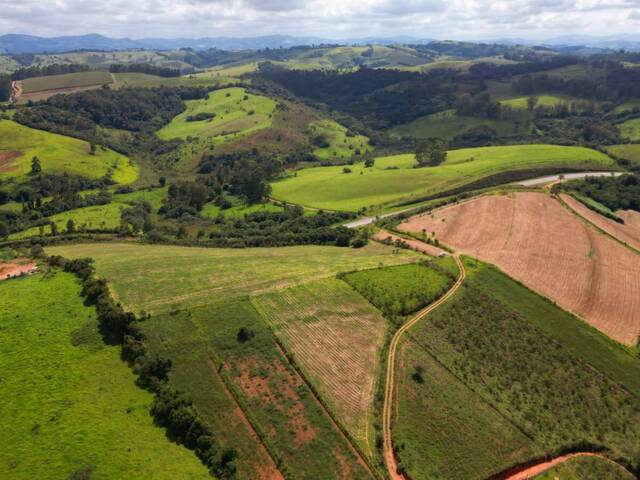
[389, 389]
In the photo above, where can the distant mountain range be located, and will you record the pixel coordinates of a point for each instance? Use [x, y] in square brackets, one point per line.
[17, 43]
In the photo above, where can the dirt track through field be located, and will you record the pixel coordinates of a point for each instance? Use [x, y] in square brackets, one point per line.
[15, 269]
[391, 360]
[534, 239]
[532, 471]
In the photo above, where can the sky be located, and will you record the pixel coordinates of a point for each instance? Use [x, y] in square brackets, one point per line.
[334, 19]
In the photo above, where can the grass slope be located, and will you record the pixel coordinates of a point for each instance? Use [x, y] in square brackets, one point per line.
[97, 217]
[341, 144]
[629, 152]
[59, 154]
[70, 405]
[66, 80]
[159, 278]
[448, 124]
[234, 115]
[272, 395]
[630, 129]
[392, 179]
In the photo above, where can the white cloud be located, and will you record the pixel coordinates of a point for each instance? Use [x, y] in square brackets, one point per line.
[462, 19]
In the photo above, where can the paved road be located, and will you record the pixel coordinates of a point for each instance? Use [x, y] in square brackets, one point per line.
[533, 182]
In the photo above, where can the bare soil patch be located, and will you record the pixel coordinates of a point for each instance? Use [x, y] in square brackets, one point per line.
[534, 239]
[628, 232]
[16, 269]
[6, 160]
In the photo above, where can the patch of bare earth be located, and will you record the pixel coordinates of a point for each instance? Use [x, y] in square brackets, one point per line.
[531, 237]
[22, 98]
[264, 465]
[6, 160]
[628, 232]
[16, 268]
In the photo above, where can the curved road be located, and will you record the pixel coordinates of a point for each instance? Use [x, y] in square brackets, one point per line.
[389, 389]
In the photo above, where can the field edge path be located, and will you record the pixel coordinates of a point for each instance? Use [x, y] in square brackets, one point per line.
[389, 388]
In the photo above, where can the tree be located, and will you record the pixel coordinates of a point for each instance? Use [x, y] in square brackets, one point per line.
[162, 181]
[71, 226]
[36, 167]
[4, 230]
[430, 152]
[54, 229]
[531, 103]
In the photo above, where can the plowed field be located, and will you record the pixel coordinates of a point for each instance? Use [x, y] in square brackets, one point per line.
[535, 240]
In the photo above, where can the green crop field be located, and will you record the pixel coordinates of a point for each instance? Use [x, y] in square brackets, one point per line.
[146, 80]
[67, 80]
[629, 152]
[630, 129]
[236, 113]
[586, 468]
[340, 144]
[543, 371]
[393, 180]
[335, 336]
[447, 125]
[159, 278]
[58, 154]
[274, 398]
[401, 289]
[70, 407]
[97, 217]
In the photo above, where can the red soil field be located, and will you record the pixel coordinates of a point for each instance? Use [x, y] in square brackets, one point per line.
[531, 237]
[629, 232]
[16, 268]
[6, 160]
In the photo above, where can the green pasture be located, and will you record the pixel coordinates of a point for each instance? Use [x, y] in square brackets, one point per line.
[236, 113]
[521, 103]
[630, 129]
[393, 180]
[146, 80]
[239, 209]
[96, 217]
[66, 80]
[161, 278]
[629, 152]
[448, 124]
[70, 408]
[153, 196]
[342, 145]
[58, 154]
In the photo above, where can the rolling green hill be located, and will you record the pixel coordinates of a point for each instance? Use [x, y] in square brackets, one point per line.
[58, 154]
[393, 179]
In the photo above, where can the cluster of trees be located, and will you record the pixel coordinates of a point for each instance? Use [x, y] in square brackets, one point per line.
[47, 70]
[147, 68]
[430, 152]
[6, 88]
[615, 193]
[290, 227]
[480, 105]
[171, 408]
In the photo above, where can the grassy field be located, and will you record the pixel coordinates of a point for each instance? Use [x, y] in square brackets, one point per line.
[58, 154]
[146, 80]
[286, 415]
[153, 197]
[558, 384]
[67, 80]
[393, 180]
[402, 289]
[70, 406]
[97, 217]
[159, 278]
[236, 113]
[629, 152]
[630, 129]
[586, 468]
[520, 103]
[335, 336]
[238, 209]
[447, 125]
[341, 144]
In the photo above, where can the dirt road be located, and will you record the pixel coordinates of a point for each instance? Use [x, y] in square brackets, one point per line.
[389, 389]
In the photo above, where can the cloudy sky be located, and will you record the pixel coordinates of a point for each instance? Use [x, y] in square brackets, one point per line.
[339, 19]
